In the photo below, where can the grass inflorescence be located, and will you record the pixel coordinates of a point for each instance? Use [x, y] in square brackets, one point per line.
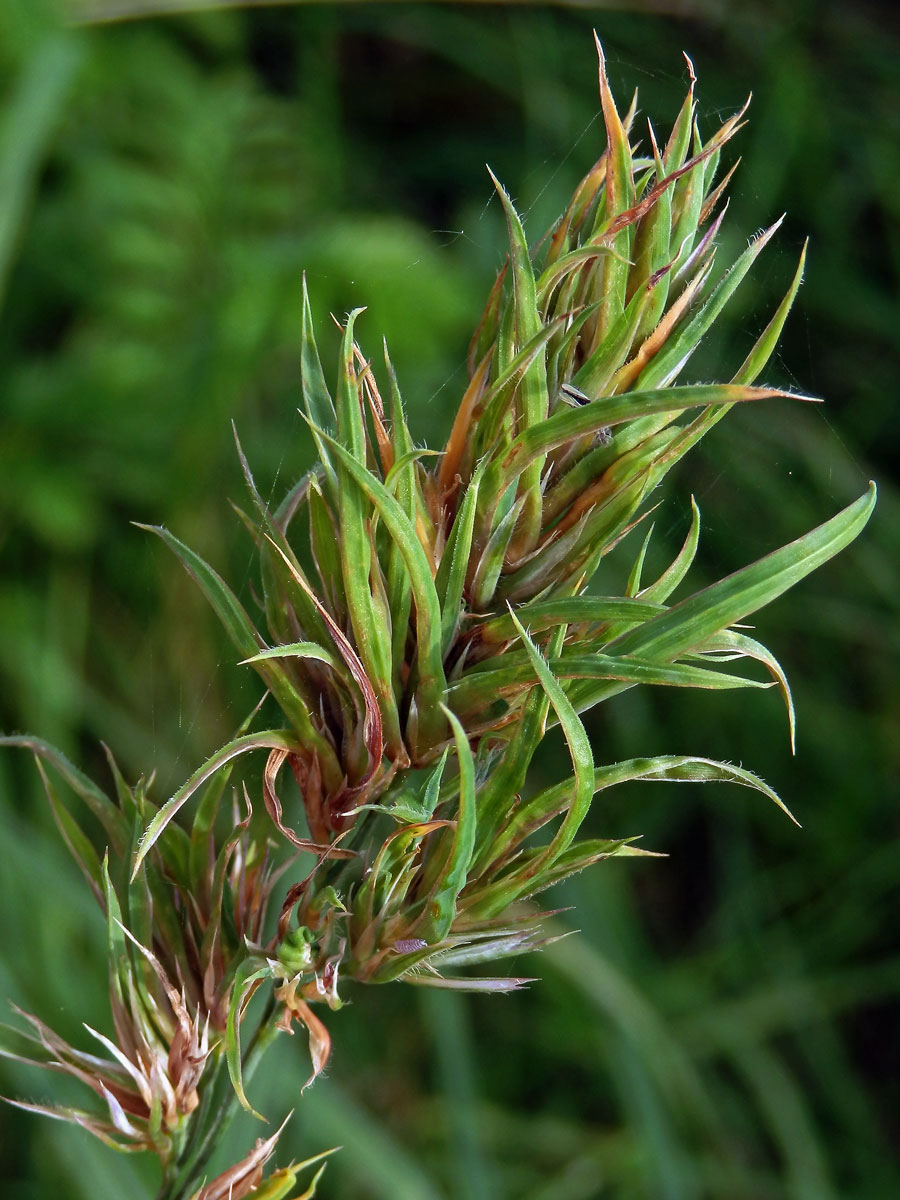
[426, 618]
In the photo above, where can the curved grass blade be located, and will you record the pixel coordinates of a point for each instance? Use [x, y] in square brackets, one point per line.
[663, 588]
[477, 688]
[296, 650]
[741, 646]
[633, 586]
[247, 979]
[270, 739]
[79, 844]
[670, 768]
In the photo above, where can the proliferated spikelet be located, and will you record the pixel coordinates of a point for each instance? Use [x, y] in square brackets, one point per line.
[442, 619]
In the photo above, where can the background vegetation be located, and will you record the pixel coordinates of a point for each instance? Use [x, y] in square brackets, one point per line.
[725, 1023]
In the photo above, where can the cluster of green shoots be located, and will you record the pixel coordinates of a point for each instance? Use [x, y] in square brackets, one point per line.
[438, 622]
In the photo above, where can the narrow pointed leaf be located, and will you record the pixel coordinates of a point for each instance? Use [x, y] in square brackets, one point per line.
[662, 589]
[671, 359]
[373, 638]
[451, 577]
[475, 984]
[317, 400]
[579, 748]
[765, 344]
[532, 402]
[247, 978]
[442, 902]
[567, 425]
[270, 739]
[80, 846]
[688, 623]
[546, 614]
[746, 647]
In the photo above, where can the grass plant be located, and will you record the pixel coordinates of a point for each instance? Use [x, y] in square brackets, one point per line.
[424, 619]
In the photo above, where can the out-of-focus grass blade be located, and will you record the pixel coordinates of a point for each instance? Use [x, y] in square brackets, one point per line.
[635, 1017]
[110, 817]
[32, 112]
[790, 1118]
[448, 1019]
[372, 1158]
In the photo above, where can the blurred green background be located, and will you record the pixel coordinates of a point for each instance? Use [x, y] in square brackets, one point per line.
[726, 1022]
